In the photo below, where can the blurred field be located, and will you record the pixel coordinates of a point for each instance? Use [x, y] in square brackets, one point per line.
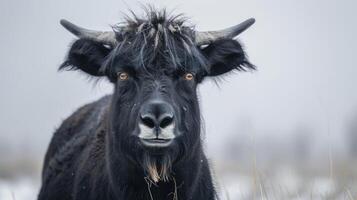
[284, 182]
[240, 181]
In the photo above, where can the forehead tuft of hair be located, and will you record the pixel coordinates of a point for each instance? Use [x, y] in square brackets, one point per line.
[157, 36]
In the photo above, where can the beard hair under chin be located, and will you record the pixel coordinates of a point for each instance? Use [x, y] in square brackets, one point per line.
[157, 168]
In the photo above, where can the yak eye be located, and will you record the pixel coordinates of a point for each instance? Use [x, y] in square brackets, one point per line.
[188, 76]
[123, 76]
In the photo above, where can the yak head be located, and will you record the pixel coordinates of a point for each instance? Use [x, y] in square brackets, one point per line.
[155, 63]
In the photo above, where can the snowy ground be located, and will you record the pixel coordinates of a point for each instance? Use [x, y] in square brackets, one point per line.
[18, 189]
[283, 184]
[286, 187]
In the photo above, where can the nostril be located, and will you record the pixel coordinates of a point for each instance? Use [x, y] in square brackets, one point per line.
[148, 121]
[167, 120]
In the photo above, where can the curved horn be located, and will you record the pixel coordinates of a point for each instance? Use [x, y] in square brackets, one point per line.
[106, 37]
[207, 37]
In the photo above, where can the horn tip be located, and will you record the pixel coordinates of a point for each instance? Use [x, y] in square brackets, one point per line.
[64, 22]
[250, 21]
[70, 27]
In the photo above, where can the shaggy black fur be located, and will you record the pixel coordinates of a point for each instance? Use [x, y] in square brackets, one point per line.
[96, 154]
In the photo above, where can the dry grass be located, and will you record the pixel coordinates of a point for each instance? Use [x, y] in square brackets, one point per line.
[287, 183]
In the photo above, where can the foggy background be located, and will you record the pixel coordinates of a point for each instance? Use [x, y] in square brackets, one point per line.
[298, 110]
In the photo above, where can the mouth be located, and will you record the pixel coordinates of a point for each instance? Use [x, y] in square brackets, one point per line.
[153, 137]
[156, 142]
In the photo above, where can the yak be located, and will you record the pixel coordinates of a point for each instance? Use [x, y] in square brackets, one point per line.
[144, 141]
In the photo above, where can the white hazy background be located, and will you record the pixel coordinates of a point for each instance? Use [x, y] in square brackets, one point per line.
[300, 107]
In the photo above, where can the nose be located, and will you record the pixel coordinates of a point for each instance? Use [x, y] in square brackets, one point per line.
[157, 114]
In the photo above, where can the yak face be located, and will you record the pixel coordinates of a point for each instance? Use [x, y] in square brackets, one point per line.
[155, 112]
[155, 65]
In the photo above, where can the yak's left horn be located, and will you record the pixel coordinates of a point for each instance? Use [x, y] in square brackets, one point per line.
[105, 37]
[207, 37]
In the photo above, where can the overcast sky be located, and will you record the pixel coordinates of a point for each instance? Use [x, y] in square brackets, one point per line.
[305, 53]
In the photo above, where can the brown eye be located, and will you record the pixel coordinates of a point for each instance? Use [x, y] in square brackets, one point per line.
[188, 76]
[123, 76]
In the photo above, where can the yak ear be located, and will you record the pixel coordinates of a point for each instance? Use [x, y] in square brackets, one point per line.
[86, 55]
[225, 55]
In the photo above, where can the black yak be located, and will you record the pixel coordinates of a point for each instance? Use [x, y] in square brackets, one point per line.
[143, 142]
